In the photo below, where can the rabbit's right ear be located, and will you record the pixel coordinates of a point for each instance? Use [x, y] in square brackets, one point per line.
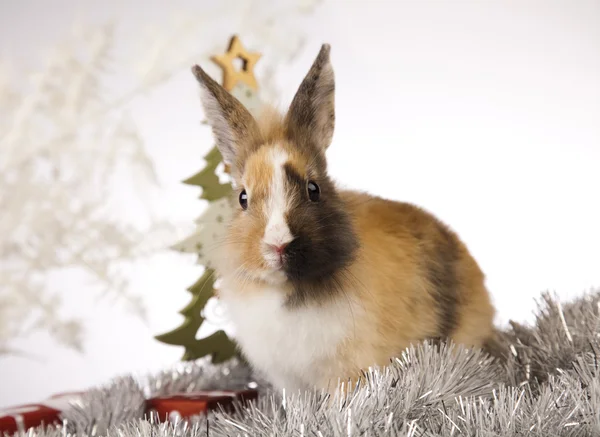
[232, 124]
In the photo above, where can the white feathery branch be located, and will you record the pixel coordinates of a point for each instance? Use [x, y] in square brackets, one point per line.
[63, 140]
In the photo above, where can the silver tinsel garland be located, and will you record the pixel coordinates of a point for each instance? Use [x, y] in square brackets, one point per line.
[545, 383]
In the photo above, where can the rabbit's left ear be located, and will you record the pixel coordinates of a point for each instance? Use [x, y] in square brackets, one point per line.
[311, 117]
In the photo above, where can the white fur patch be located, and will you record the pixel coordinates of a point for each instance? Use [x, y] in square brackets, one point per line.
[295, 348]
[277, 232]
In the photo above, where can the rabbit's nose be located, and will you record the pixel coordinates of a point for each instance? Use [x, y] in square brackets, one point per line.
[279, 248]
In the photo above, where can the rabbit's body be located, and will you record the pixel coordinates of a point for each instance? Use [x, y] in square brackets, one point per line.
[411, 280]
[319, 282]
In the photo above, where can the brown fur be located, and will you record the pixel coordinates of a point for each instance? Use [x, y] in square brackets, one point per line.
[403, 304]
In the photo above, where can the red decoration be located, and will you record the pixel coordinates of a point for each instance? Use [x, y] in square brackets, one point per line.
[185, 405]
[23, 417]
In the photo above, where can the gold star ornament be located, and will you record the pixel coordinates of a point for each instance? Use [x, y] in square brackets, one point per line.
[231, 75]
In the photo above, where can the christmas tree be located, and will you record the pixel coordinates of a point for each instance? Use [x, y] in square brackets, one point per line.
[211, 225]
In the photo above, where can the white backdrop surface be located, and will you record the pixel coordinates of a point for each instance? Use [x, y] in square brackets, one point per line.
[485, 113]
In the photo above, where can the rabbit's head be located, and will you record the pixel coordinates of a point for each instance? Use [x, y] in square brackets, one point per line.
[290, 223]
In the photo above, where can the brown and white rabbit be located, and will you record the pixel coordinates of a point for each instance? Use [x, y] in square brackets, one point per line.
[321, 283]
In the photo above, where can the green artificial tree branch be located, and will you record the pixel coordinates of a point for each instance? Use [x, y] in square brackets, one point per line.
[207, 178]
[218, 345]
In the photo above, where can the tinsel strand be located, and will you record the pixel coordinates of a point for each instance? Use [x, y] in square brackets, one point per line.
[548, 385]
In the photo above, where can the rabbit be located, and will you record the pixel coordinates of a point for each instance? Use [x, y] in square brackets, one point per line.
[320, 282]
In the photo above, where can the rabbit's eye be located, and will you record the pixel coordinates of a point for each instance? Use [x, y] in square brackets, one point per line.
[244, 199]
[313, 191]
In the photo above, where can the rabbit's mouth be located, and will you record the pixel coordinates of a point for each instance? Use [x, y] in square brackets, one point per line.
[275, 256]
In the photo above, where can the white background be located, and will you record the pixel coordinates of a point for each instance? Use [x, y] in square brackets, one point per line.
[485, 113]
